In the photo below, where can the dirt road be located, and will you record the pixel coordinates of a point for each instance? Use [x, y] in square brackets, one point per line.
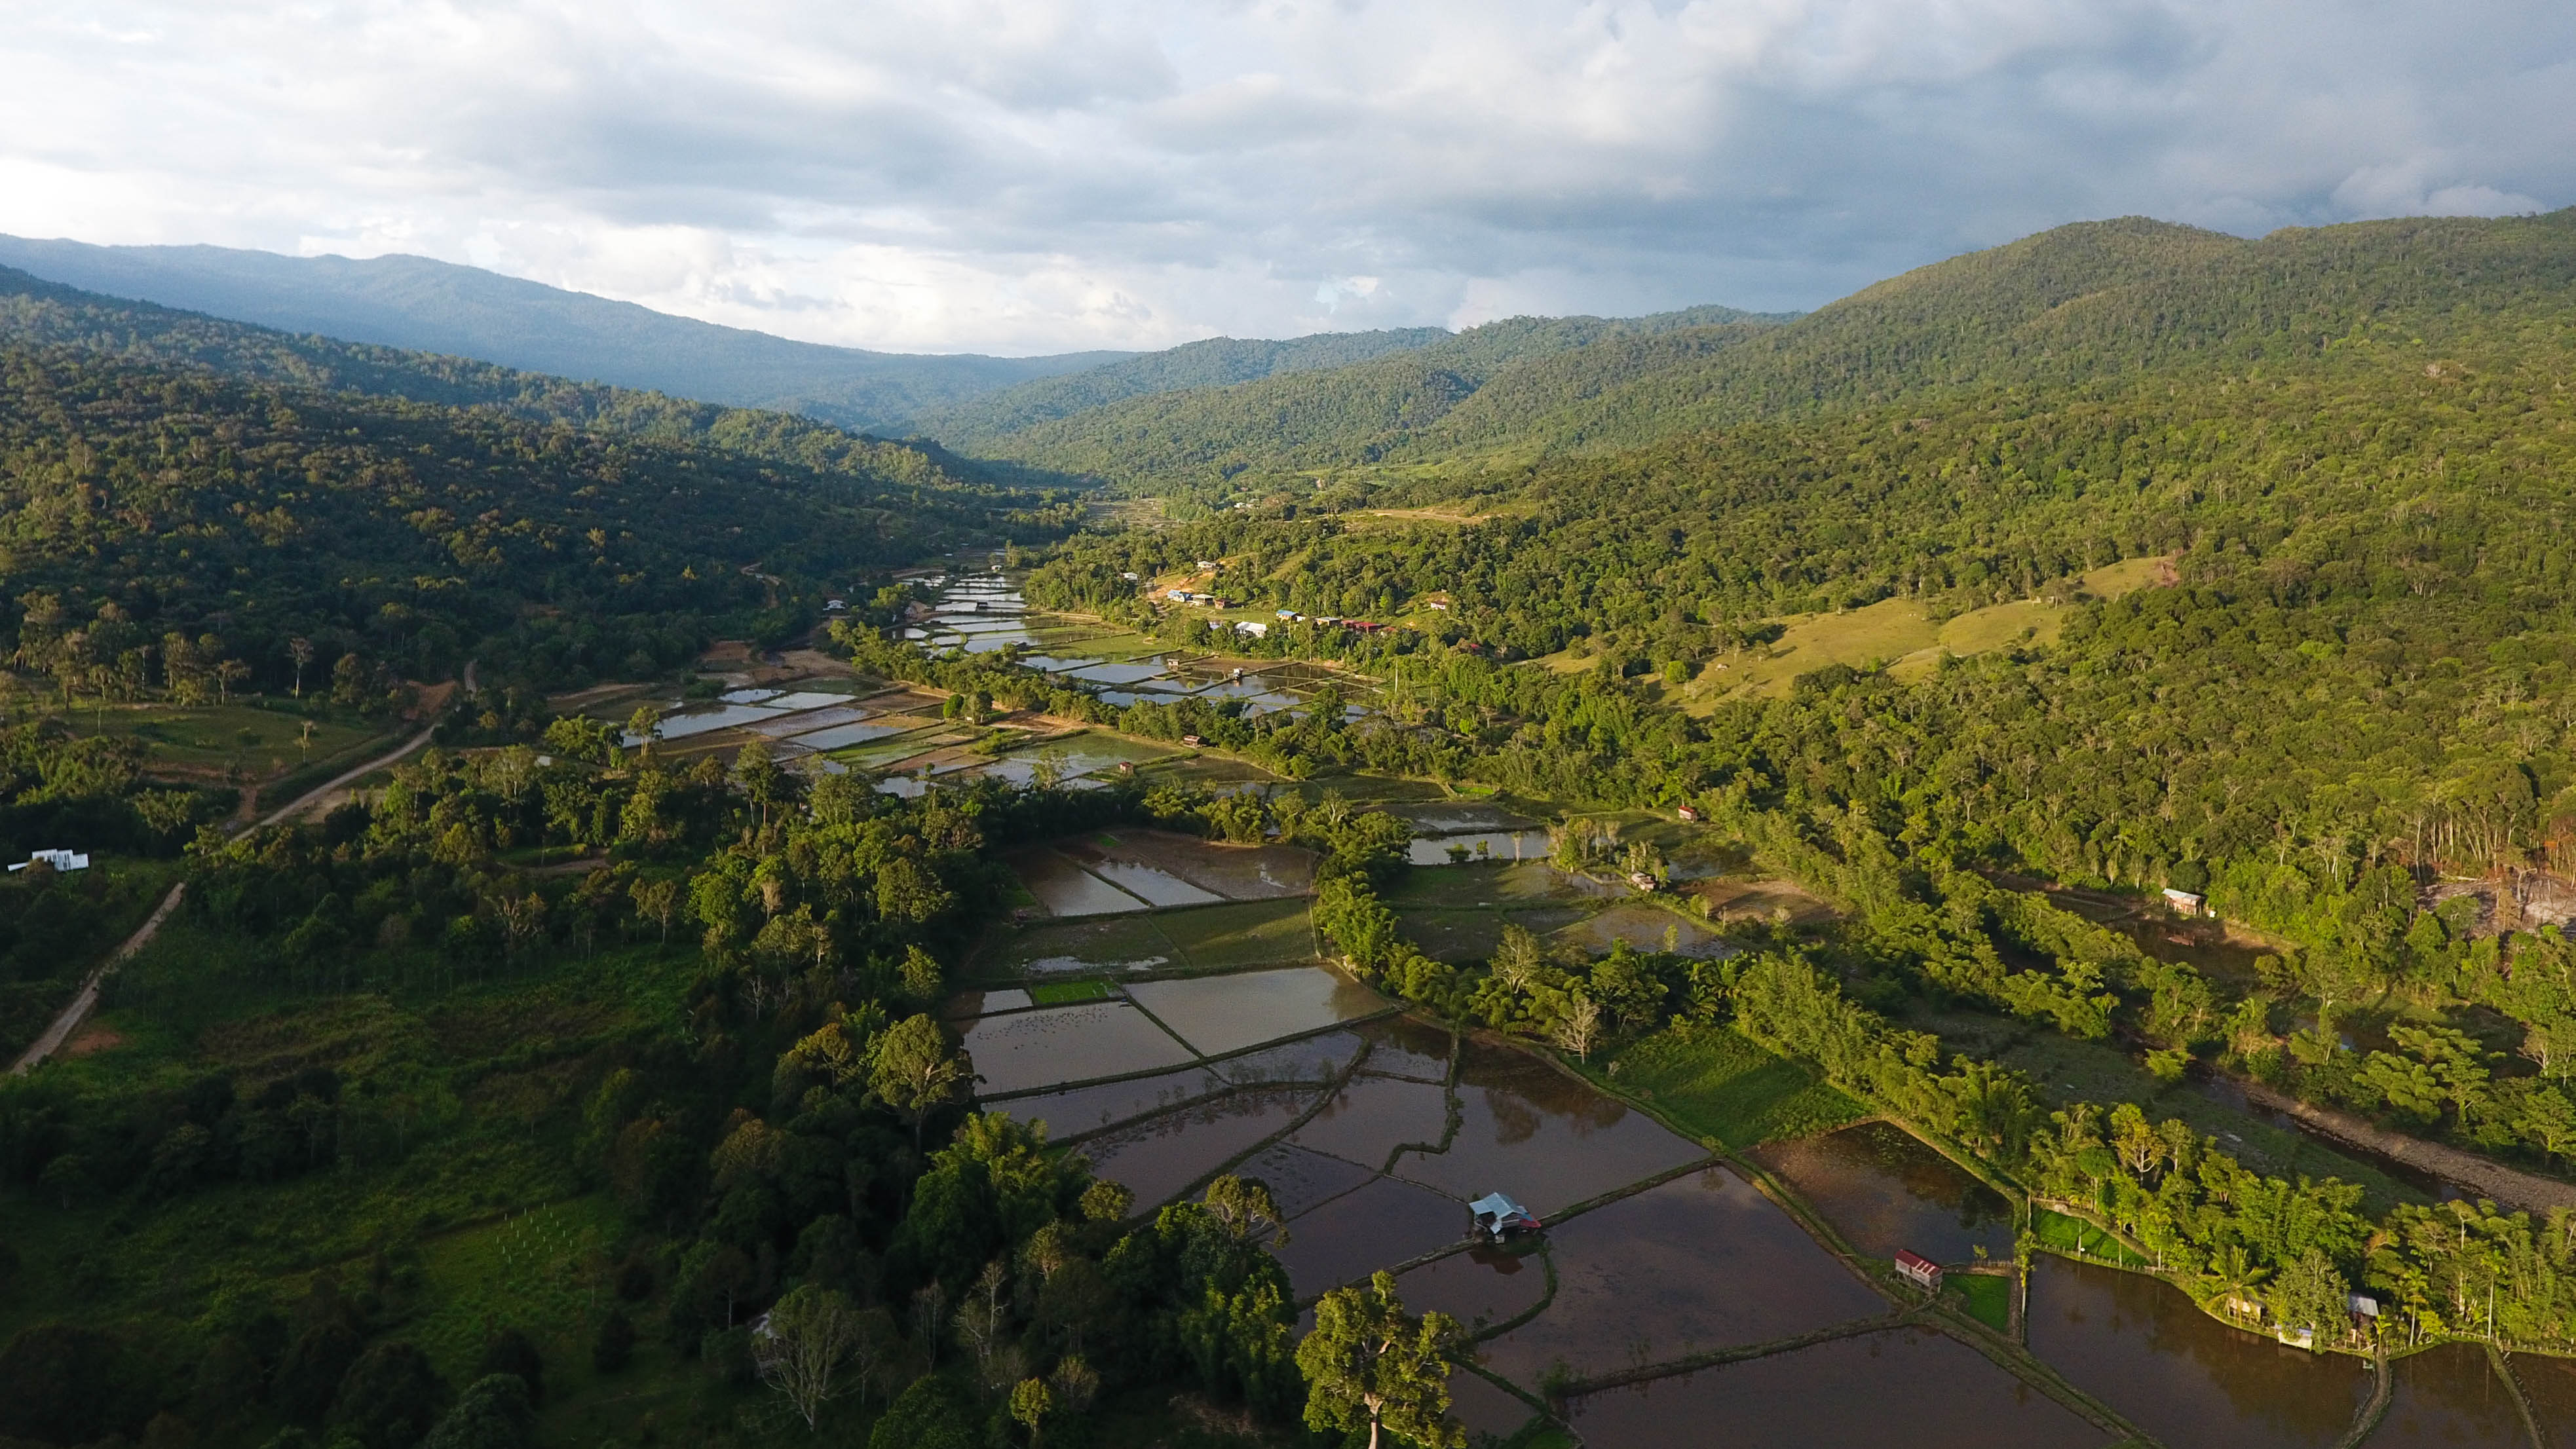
[82, 1004]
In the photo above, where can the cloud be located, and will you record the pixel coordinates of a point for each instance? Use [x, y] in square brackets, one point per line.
[1032, 175]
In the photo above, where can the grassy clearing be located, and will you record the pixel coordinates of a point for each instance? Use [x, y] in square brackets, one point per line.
[1988, 1297]
[2057, 1230]
[1066, 993]
[1251, 933]
[1724, 1087]
[218, 737]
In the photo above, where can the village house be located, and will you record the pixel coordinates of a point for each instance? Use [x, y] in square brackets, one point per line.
[1918, 1269]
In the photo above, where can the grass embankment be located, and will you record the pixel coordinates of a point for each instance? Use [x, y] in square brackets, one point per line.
[1723, 1088]
[1066, 993]
[1988, 1297]
[2074, 1235]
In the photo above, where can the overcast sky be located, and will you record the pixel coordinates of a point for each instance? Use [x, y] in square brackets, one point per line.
[1044, 175]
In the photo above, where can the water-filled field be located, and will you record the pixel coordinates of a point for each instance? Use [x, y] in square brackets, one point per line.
[1088, 1109]
[1368, 1120]
[1068, 1044]
[2145, 1349]
[1220, 1014]
[1374, 1226]
[1307, 1059]
[2450, 1398]
[1885, 1190]
[1546, 1138]
[1908, 1387]
[1300, 1180]
[1481, 1287]
[1703, 1261]
[1159, 1156]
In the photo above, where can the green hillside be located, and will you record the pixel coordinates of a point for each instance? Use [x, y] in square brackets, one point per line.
[34, 312]
[2082, 307]
[1331, 416]
[181, 473]
[1215, 362]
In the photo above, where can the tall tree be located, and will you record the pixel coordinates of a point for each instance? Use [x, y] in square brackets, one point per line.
[1369, 1364]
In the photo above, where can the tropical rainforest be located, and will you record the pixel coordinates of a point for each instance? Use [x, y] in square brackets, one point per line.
[2125, 560]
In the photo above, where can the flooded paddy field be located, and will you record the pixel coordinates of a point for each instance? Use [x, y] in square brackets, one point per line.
[1299, 1180]
[1703, 1261]
[1546, 1138]
[1907, 1387]
[1884, 1189]
[1088, 1109]
[2144, 1348]
[1232, 872]
[2549, 1384]
[1154, 886]
[1401, 1046]
[1054, 1045]
[1478, 847]
[1066, 889]
[2449, 1398]
[1485, 1409]
[1455, 817]
[1307, 1059]
[1158, 1157]
[1480, 1287]
[1376, 1225]
[1221, 1014]
[1371, 1117]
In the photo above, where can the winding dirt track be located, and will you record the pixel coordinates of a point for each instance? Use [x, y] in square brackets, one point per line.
[2507, 1186]
[86, 1000]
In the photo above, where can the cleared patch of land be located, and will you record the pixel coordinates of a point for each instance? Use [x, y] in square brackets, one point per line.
[1724, 1088]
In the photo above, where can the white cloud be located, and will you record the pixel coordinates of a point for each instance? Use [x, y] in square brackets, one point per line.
[1025, 175]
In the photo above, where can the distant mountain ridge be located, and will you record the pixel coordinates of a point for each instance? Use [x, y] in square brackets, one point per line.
[423, 305]
[2091, 305]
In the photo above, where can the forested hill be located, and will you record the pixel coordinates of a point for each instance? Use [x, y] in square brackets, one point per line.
[1225, 361]
[1356, 413]
[415, 302]
[2090, 307]
[1213, 362]
[140, 498]
[34, 312]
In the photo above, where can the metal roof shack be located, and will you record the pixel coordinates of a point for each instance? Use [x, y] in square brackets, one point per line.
[1919, 1269]
[1499, 1217]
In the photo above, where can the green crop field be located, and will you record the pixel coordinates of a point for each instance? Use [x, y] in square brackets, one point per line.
[1721, 1086]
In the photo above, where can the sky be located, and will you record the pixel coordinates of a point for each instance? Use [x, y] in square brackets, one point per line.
[1052, 175]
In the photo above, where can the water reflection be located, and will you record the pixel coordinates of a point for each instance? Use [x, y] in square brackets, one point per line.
[1045, 1048]
[1700, 1262]
[1544, 1137]
[1088, 1109]
[1480, 1287]
[1886, 1190]
[1908, 1387]
[1377, 1226]
[1160, 1156]
[2141, 1346]
[2450, 1397]
[2549, 1385]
